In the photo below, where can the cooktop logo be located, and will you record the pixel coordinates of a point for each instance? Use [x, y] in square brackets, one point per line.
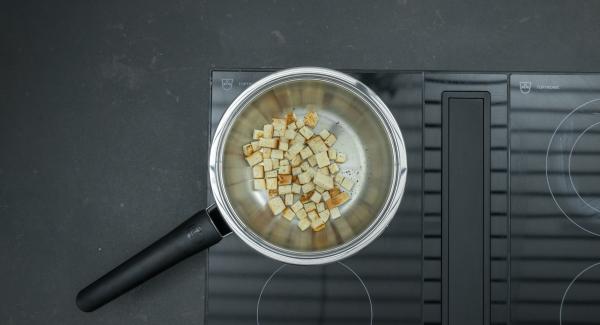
[525, 87]
[227, 84]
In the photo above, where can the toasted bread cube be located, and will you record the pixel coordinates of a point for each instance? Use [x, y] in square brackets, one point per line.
[337, 200]
[290, 118]
[324, 170]
[323, 181]
[332, 153]
[324, 215]
[289, 199]
[279, 124]
[271, 174]
[306, 132]
[275, 163]
[305, 153]
[284, 162]
[291, 126]
[347, 184]
[316, 197]
[259, 184]
[308, 187]
[313, 215]
[288, 214]
[319, 189]
[272, 193]
[296, 188]
[305, 198]
[310, 206]
[320, 206]
[304, 177]
[268, 131]
[257, 134]
[276, 205]
[334, 191]
[296, 161]
[335, 213]
[296, 171]
[258, 171]
[285, 189]
[299, 124]
[295, 149]
[303, 224]
[311, 119]
[297, 206]
[339, 178]
[254, 158]
[272, 183]
[247, 149]
[312, 161]
[311, 172]
[333, 168]
[322, 159]
[266, 152]
[284, 180]
[277, 154]
[324, 134]
[290, 134]
[301, 214]
[305, 166]
[341, 157]
[283, 145]
[285, 170]
[317, 224]
[299, 139]
[331, 139]
[316, 144]
[326, 195]
[255, 145]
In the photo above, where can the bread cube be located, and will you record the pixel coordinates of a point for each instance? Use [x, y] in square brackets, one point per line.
[310, 206]
[347, 184]
[322, 159]
[284, 180]
[288, 199]
[304, 177]
[313, 215]
[306, 132]
[276, 205]
[255, 145]
[257, 134]
[332, 153]
[297, 206]
[308, 187]
[290, 134]
[324, 170]
[312, 161]
[272, 183]
[254, 158]
[288, 214]
[286, 169]
[311, 119]
[324, 134]
[325, 195]
[335, 213]
[341, 157]
[296, 161]
[247, 149]
[323, 214]
[323, 181]
[266, 152]
[285, 189]
[267, 131]
[316, 144]
[337, 200]
[284, 162]
[276, 154]
[319, 189]
[272, 193]
[259, 184]
[275, 163]
[330, 140]
[320, 206]
[303, 224]
[301, 214]
[305, 153]
[339, 178]
[299, 139]
[317, 224]
[283, 145]
[258, 171]
[290, 118]
[316, 197]
[333, 168]
[279, 124]
[296, 188]
[299, 124]
[305, 166]
[271, 174]
[296, 171]
[295, 149]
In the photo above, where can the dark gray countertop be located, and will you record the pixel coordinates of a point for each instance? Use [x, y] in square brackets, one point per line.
[103, 121]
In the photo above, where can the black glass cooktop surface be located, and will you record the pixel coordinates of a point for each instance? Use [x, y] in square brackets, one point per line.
[535, 252]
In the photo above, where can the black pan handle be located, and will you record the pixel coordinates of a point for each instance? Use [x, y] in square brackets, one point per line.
[197, 233]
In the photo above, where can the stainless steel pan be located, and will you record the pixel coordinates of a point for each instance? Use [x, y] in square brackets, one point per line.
[366, 132]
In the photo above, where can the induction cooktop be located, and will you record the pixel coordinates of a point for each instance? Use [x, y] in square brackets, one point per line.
[499, 224]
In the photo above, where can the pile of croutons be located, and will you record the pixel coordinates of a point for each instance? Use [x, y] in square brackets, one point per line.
[299, 170]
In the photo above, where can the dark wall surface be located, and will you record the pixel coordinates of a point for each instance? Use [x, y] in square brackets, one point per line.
[103, 118]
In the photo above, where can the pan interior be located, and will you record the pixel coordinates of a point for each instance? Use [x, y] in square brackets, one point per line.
[361, 136]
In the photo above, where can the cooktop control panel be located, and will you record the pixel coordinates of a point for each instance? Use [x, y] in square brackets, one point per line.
[500, 222]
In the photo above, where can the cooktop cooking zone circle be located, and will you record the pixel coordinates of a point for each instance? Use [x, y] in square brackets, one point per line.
[579, 304]
[573, 167]
[329, 294]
